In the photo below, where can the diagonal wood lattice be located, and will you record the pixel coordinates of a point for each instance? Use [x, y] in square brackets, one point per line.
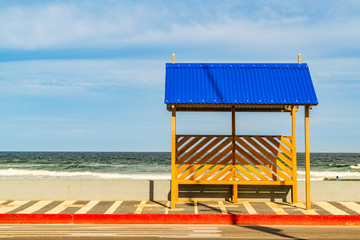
[224, 158]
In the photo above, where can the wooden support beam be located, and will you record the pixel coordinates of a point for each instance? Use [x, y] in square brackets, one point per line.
[235, 193]
[173, 158]
[293, 151]
[233, 132]
[307, 158]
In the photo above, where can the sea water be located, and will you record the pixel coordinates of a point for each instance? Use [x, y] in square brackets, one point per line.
[144, 165]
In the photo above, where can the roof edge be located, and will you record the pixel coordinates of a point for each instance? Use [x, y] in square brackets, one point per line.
[237, 65]
[238, 107]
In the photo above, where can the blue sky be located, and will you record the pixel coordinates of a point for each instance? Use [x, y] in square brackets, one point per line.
[89, 75]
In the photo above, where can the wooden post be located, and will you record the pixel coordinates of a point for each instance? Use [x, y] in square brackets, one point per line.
[299, 58]
[293, 151]
[173, 158]
[235, 191]
[307, 158]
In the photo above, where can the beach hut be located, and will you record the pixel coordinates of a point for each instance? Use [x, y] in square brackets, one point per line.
[238, 159]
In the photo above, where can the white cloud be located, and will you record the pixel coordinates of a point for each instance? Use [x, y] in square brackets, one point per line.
[49, 77]
[336, 69]
[248, 29]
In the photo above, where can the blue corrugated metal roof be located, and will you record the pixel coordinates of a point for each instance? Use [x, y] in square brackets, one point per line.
[239, 83]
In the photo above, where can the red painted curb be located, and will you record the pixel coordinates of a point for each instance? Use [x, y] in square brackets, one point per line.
[341, 220]
[36, 218]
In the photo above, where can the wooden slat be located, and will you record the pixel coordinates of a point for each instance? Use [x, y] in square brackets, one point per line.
[253, 156]
[199, 145]
[279, 146]
[279, 165]
[182, 141]
[228, 176]
[275, 151]
[287, 143]
[214, 169]
[222, 172]
[245, 172]
[257, 155]
[248, 166]
[209, 169]
[265, 152]
[257, 162]
[240, 182]
[211, 154]
[213, 151]
[252, 169]
[198, 169]
[188, 145]
[238, 176]
[207, 166]
[184, 135]
[260, 164]
[200, 165]
[199, 155]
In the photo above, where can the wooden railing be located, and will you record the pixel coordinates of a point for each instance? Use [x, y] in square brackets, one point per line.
[227, 159]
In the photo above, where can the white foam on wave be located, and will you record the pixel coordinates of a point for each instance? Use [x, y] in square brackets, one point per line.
[355, 166]
[45, 174]
[338, 164]
[12, 173]
[320, 175]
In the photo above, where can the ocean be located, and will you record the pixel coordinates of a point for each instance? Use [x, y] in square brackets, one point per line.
[144, 165]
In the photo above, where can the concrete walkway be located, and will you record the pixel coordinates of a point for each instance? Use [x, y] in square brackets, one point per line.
[173, 232]
[189, 207]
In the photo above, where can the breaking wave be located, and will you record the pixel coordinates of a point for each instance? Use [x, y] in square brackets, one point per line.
[355, 166]
[45, 174]
[320, 175]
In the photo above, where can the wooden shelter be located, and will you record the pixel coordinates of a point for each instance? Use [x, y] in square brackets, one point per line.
[238, 159]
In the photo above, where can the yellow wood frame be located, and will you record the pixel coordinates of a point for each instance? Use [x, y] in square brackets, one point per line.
[228, 157]
[307, 158]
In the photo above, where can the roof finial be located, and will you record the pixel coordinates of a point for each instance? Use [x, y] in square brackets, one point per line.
[299, 58]
[173, 58]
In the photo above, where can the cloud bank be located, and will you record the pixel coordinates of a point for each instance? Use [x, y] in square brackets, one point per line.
[237, 28]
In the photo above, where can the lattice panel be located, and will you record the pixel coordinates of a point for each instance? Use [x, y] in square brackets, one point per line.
[204, 158]
[263, 158]
[242, 158]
